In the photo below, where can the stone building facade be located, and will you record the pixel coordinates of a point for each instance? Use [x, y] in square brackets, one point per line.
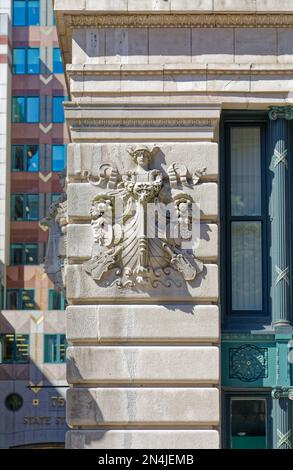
[179, 102]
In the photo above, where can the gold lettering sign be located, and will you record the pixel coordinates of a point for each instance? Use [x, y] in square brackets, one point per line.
[43, 420]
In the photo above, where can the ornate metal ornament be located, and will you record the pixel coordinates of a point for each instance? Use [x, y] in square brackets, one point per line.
[248, 363]
[128, 250]
[277, 112]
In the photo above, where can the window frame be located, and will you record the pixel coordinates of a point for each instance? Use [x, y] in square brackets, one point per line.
[64, 157]
[25, 98]
[25, 148]
[55, 63]
[26, 63]
[14, 360]
[24, 218]
[228, 396]
[26, 21]
[246, 317]
[50, 300]
[19, 302]
[54, 120]
[23, 247]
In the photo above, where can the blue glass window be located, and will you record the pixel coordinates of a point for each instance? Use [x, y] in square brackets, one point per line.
[33, 13]
[19, 13]
[33, 109]
[25, 109]
[19, 61]
[33, 60]
[58, 111]
[55, 348]
[58, 157]
[57, 61]
[26, 12]
[18, 109]
[25, 158]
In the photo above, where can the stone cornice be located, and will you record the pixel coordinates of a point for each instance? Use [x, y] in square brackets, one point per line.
[211, 20]
[141, 123]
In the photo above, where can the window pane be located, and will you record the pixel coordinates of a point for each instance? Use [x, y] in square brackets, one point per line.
[18, 109]
[63, 347]
[27, 299]
[32, 158]
[58, 113]
[18, 157]
[245, 171]
[50, 348]
[16, 251]
[19, 13]
[32, 207]
[18, 61]
[57, 61]
[54, 300]
[31, 253]
[33, 60]
[33, 109]
[17, 207]
[22, 348]
[33, 12]
[248, 424]
[58, 157]
[246, 266]
[7, 344]
[12, 299]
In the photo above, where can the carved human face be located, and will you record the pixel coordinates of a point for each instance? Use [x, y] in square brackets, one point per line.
[142, 159]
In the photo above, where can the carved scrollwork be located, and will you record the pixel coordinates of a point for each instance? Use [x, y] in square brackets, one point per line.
[126, 246]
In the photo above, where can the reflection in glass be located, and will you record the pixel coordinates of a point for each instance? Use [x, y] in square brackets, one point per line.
[246, 266]
[248, 424]
[245, 171]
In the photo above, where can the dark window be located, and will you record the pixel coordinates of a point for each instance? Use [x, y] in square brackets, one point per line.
[58, 111]
[25, 207]
[58, 157]
[57, 61]
[25, 109]
[54, 348]
[248, 423]
[25, 158]
[56, 300]
[23, 253]
[246, 218]
[14, 348]
[20, 299]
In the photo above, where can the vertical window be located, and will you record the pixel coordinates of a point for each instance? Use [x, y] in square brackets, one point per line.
[19, 61]
[19, 13]
[33, 109]
[20, 299]
[246, 219]
[58, 157]
[23, 253]
[54, 197]
[55, 348]
[33, 60]
[25, 207]
[248, 423]
[57, 61]
[33, 12]
[25, 109]
[58, 112]
[25, 158]
[56, 300]
[18, 109]
[15, 349]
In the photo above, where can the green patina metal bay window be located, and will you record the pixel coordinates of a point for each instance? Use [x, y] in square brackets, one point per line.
[14, 348]
[55, 348]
